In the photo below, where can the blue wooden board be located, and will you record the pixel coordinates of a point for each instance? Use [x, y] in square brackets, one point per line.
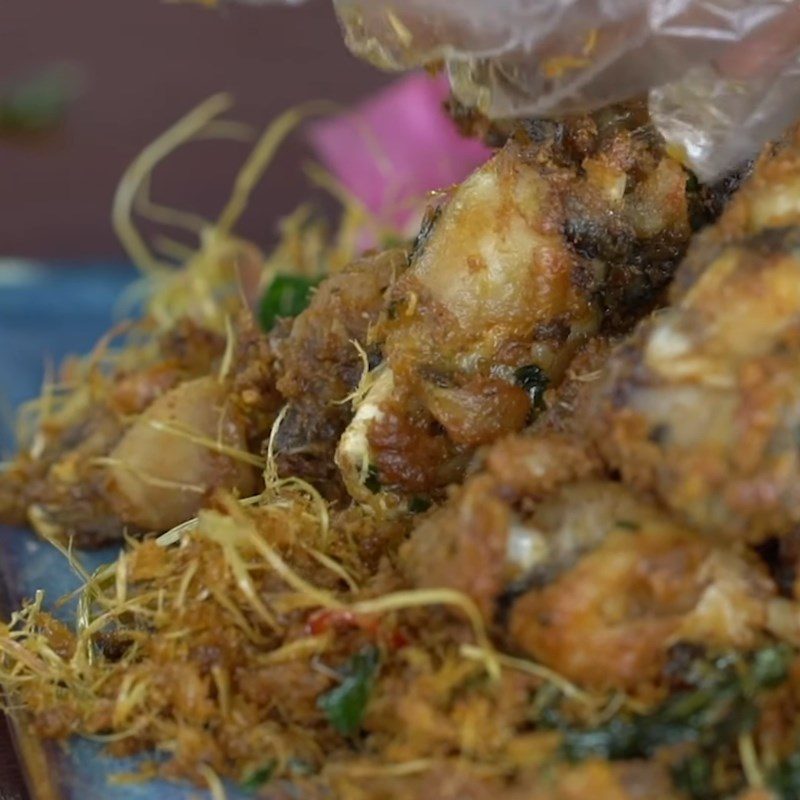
[46, 313]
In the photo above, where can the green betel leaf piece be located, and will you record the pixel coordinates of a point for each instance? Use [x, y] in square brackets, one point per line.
[286, 296]
[346, 705]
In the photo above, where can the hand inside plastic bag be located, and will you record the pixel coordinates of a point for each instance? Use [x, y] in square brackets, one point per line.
[723, 75]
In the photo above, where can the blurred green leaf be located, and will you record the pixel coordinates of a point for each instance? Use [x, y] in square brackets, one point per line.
[346, 705]
[260, 777]
[39, 102]
[286, 296]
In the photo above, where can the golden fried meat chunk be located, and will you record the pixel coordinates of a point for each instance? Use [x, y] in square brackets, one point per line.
[702, 407]
[572, 229]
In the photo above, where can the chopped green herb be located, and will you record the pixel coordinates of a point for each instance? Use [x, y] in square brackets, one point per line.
[534, 381]
[720, 706]
[260, 777]
[770, 667]
[626, 738]
[418, 504]
[286, 296]
[346, 705]
[627, 525]
[785, 780]
[693, 776]
[372, 481]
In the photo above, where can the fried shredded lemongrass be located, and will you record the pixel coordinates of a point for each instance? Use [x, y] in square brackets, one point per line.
[133, 676]
[227, 356]
[384, 770]
[364, 382]
[207, 286]
[214, 783]
[141, 168]
[260, 158]
[540, 671]
[150, 480]
[250, 580]
[750, 763]
[204, 441]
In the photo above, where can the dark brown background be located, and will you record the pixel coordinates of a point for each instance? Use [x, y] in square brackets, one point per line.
[144, 64]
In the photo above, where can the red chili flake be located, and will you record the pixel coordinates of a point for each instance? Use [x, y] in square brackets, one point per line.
[326, 618]
[398, 639]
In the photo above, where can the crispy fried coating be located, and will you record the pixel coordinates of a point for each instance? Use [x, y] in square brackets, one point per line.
[701, 406]
[571, 229]
[106, 468]
[61, 482]
[697, 407]
[318, 364]
[594, 582]
[624, 618]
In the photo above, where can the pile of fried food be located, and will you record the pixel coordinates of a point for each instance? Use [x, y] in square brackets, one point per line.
[508, 512]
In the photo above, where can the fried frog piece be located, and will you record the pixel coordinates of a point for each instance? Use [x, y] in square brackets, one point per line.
[701, 406]
[572, 229]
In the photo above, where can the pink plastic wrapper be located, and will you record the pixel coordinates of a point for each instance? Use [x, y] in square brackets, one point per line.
[396, 147]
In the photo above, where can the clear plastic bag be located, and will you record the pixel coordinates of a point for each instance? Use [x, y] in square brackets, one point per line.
[723, 75]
